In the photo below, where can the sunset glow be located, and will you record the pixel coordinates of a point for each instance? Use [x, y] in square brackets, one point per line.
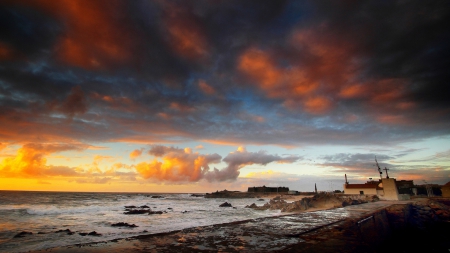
[190, 96]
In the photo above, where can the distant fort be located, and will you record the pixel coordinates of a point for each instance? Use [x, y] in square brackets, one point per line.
[262, 189]
[252, 192]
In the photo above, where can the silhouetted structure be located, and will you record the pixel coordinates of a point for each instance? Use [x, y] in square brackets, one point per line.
[268, 189]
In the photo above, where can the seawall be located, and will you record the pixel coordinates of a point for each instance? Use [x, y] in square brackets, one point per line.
[421, 226]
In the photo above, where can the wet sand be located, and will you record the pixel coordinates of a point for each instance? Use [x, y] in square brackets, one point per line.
[275, 234]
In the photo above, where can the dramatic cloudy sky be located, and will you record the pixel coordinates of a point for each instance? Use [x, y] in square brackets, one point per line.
[198, 96]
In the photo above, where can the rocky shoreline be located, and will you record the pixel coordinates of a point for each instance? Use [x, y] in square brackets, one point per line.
[369, 227]
[321, 200]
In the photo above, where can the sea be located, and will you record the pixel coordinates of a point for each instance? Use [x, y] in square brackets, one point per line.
[45, 213]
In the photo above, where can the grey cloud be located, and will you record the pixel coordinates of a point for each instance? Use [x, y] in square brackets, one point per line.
[238, 159]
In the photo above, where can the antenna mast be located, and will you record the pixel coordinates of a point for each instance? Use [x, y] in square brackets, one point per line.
[379, 169]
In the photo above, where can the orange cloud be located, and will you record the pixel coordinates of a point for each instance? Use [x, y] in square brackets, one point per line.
[291, 84]
[260, 67]
[206, 88]
[181, 107]
[317, 105]
[186, 35]
[321, 69]
[392, 119]
[118, 103]
[164, 115]
[388, 90]
[95, 37]
[178, 166]
[352, 91]
[136, 153]
[30, 161]
[181, 165]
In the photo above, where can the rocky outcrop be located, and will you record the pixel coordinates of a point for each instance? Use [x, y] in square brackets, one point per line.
[22, 234]
[197, 195]
[321, 200]
[225, 204]
[144, 209]
[136, 211]
[123, 224]
[65, 231]
[93, 233]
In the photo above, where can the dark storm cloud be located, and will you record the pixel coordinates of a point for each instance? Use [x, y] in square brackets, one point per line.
[262, 72]
[26, 32]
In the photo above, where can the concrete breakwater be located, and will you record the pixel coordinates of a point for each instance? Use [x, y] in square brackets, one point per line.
[421, 226]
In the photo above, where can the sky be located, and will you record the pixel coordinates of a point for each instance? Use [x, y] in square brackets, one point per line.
[199, 96]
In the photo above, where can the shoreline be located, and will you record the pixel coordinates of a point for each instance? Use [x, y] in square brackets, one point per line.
[120, 244]
[370, 227]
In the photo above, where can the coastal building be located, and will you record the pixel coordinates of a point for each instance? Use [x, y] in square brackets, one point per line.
[362, 189]
[385, 188]
[262, 189]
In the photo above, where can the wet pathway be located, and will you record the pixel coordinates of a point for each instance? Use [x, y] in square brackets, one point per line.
[258, 235]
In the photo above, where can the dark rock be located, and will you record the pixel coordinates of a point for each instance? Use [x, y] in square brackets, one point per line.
[345, 203]
[157, 197]
[41, 233]
[144, 206]
[145, 231]
[260, 199]
[61, 231]
[155, 212]
[137, 211]
[130, 207]
[251, 206]
[355, 202]
[83, 234]
[170, 208]
[123, 224]
[197, 195]
[226, 204]
[93, 233]
[184, 211]
[23, 234]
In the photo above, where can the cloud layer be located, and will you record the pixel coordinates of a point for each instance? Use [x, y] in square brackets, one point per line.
[285, 73]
